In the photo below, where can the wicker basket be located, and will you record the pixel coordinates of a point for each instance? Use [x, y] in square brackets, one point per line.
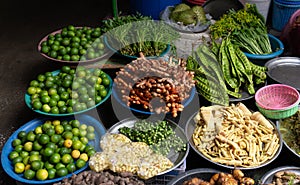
[277, 101]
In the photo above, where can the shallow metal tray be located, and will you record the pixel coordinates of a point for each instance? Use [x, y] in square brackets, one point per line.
[268, 177]
[176, 157]
[189, 130]
[285, 70]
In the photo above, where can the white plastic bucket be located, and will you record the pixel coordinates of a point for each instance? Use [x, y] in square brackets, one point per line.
[262, 6]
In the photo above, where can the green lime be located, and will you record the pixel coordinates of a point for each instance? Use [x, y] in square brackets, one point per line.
[34, 157]
[66, 57]
[103, 93]
[77, 144]
[28, 146]
[45, 49]
[83, 132]
[26, 160]
[18, 159]
[75, 131]
[55, 138]
[21, 134]
[37, 105]
[24, 154]
[90, 136]
[44, 139]
[91, 152]
[80, 163]
[64, 150]
[19, 167]
[54, 110]
[46, 108]
[42, 174]
[38, 130]
[55, 158]
[84, 140]
[48, 165]
[71, 167]
[37, 146]
[50, 132]
[19, 148]
[68, 127]
[51, 173]
[29, 174]
[16, 142]
[83, 127]
[66, 159]
[59, 129]
[67, 134]
[31, 90]
[59, 165]
[46, 126]
[61, 172]
[75, 123]
[30, 136]
[48, 152]
[90, 129]
[36, 165]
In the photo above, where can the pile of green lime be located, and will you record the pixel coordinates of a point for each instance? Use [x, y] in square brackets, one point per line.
[71, 90]
[53, 149]
[74, 44]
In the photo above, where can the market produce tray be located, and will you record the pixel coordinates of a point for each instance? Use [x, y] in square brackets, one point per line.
[31, 125]
[190, 128]
[268, 177]
[177, 158]
[55, 73]
[284, 70]
[106, 54]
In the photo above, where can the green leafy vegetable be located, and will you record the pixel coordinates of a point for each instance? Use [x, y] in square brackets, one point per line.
[132, 34]
[246, 27]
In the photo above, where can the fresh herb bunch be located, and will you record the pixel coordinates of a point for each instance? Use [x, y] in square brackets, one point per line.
[158, 135]
[246, 27]
[132, 34]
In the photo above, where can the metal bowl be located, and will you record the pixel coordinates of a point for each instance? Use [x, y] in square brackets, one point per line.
[189, 130]
[284, 70]
[176, 157]
[297, 155]
[105, 55]
[268, 177]
[201, 173]
[31, 125]
[27, 99]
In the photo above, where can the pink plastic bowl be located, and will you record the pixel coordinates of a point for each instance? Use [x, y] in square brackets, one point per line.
[277, 97]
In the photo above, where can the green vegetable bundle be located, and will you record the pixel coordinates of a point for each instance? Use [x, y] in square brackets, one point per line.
[224, 70]
[246, 28]
[136, 33]
[208, 75]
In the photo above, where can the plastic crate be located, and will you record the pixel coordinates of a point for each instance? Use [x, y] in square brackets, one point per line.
[282, 11]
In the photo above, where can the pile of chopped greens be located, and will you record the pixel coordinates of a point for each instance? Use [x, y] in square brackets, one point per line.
[246, 28]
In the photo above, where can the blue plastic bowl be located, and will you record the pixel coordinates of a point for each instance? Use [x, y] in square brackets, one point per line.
[55, 73]
[116, 95]
[277, 47]
[31, 125]
[105, 40]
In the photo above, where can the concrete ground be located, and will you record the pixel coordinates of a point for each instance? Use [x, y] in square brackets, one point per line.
[22, 25]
